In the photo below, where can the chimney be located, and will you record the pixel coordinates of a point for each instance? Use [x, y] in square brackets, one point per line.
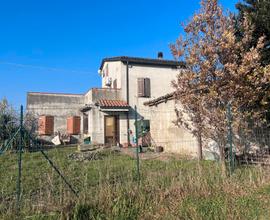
[160, 55]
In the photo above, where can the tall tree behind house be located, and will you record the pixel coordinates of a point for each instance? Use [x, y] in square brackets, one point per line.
[221, 69]
[258, 13]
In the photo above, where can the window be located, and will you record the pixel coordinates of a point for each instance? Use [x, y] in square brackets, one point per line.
[85, 123]
[115, 84]
[106, 71]
[144, 87]
[143, 127]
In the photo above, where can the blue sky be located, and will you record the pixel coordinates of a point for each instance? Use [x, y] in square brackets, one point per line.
[57, 45]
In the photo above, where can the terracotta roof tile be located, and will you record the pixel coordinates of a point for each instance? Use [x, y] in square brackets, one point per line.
[112, 103]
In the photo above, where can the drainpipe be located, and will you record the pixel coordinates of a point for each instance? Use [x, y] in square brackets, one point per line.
[127, 89]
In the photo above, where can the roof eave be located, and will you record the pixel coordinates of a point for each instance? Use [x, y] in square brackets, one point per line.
[114, 109]
[145, 61]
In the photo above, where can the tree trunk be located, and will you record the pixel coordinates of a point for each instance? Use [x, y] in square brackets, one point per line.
[200, 145]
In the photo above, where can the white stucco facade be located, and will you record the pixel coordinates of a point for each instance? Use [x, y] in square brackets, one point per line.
[160, 77]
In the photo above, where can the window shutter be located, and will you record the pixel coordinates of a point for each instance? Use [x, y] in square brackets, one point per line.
[115, 84]
[147, 87]
[107, 70]
[140, 87]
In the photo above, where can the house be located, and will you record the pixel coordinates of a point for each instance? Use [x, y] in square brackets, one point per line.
[107, 114]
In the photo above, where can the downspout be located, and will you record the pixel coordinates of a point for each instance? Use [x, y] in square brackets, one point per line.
[127, 89]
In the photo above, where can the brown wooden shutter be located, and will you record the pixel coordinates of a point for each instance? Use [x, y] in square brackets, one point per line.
[147, 87]
[46, 125]
[140, 87]
[74, 125]
[115, 84]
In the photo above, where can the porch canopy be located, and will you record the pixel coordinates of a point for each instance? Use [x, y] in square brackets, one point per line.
[108, 105]
[113, 105]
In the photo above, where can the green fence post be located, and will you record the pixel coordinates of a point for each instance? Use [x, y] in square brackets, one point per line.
[137, 145]
[20, 161]
[230, 138]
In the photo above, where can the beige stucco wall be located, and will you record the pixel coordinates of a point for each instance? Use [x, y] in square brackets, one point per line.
[96, 125]
[160, 82]
[160, 79]
[96, 116]
[123, 128]
[165, 133]
[114, 71]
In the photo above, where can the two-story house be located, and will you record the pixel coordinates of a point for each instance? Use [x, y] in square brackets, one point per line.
[126, 82]
[108, 113]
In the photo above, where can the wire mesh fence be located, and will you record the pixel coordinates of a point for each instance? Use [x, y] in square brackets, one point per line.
[252, 144]
[111, 176]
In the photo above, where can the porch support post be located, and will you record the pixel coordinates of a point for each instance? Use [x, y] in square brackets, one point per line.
[127, 97]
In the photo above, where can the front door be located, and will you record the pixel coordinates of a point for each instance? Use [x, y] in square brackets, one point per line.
[111, 130]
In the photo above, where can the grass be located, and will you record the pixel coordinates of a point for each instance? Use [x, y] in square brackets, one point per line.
[176, 189]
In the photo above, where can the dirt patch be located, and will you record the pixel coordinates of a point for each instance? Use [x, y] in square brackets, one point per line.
[148, 155]
[93, 154]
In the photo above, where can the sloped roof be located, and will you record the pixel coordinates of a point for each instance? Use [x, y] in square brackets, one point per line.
[86, 108]
[145, 61]
[112, 103]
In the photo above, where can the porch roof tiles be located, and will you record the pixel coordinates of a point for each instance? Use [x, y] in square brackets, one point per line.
[112, 103]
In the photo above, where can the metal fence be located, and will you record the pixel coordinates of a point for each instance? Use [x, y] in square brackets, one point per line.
[249, 142]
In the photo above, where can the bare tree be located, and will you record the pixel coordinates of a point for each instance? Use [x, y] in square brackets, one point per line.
[31, 123]
[8, 120]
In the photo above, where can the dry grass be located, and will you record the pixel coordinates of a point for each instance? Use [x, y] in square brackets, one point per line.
[179, 189]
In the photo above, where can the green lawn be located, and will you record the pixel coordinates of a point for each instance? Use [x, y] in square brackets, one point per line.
[108, 189]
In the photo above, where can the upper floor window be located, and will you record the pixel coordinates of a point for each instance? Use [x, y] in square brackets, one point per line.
[115, 84]
[106, 71]
[144, 87]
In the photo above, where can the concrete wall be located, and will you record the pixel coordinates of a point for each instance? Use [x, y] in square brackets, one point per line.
[165, 133]
[96, 125]
[61, 106]
[95, 94]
